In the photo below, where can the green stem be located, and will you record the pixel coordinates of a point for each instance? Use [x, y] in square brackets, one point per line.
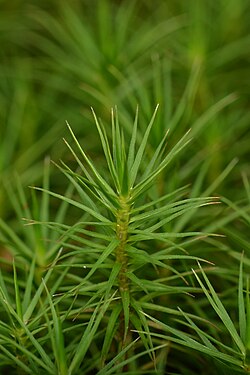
[122, 224]
[122, 235]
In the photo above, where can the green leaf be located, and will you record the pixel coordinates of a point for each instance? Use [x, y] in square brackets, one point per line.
[72, 202]
[28, 288]
[125, 296]
[131, 151]
[58, 338]
[15, 361]
[106, 253]
[88, 335]
[106, 149]
[11, 235]
[112, 326]
[45, 361]
[140, 323]
[241, 304]
[17, 294]
[101, 181]
[144, 184]
[136, 164]
[114, 365]
[220, 310]
[248, 316]
[34, 302]
[184, 339]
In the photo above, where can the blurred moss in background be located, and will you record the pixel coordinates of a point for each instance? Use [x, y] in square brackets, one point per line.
[59, 58]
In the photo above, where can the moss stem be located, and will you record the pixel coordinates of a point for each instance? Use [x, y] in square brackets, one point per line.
[122, 234]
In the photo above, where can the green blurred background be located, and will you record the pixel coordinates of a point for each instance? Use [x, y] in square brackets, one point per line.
[59, 58]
